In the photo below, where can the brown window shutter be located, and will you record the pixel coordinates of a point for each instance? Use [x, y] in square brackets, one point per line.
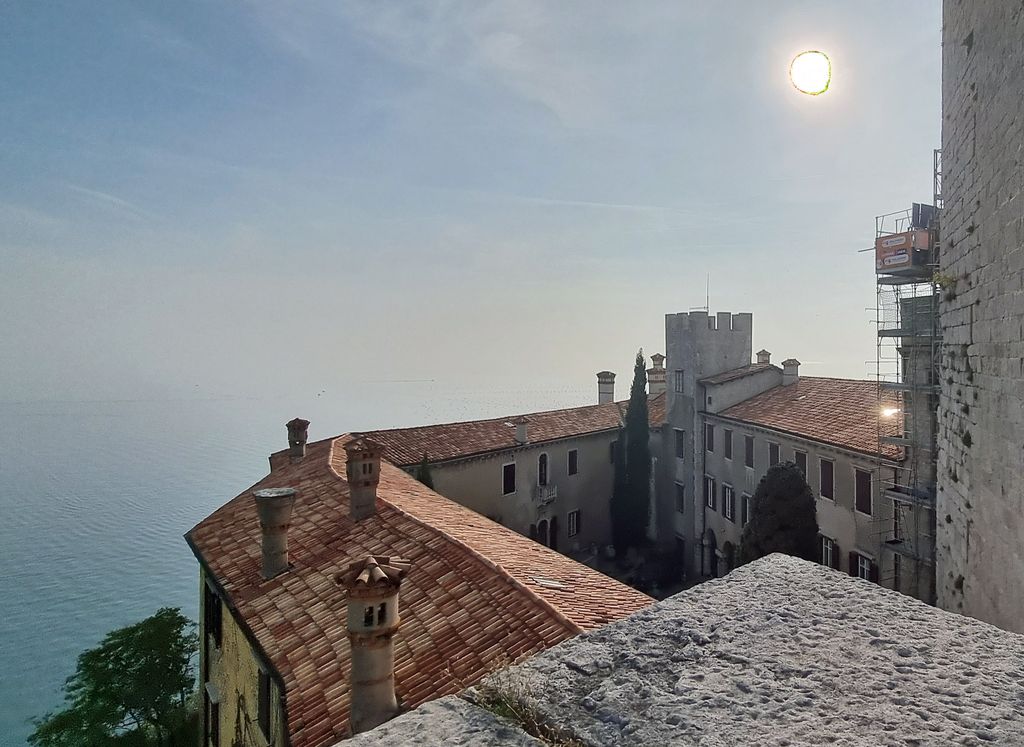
[836, 554]
[874, 572]
[853, 563]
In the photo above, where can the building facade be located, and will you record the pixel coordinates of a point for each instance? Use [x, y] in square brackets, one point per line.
[546, 475]
[980, 564]
[729, 419]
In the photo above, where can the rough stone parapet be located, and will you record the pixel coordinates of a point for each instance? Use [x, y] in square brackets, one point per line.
[779, 652]
[450, 722]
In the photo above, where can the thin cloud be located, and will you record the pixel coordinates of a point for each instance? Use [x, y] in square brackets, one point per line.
[112, 200]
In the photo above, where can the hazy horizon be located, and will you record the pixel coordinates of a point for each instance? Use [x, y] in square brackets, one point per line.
[205, 200]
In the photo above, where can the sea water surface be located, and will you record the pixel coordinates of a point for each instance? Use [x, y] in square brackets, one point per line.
[95, 498]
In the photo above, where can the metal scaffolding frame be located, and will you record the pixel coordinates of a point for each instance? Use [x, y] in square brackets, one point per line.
[907, 370]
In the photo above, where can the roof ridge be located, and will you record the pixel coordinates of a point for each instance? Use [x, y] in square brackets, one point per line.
[486, 420]
[505, 574]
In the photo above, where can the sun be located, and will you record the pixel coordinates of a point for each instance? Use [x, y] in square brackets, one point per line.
[811, 72]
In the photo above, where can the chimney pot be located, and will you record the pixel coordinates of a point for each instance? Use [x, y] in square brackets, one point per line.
[297, 434]
[522, 430]
[373, 585]
[363, 472]
[605, 387]
[656, 375]
[763, 356]
[790, 371]
[274, 506]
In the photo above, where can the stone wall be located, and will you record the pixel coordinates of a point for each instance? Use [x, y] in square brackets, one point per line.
[780, 651]
[980, 517]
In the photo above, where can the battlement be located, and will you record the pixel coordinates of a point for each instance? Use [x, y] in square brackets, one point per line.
[699, 322]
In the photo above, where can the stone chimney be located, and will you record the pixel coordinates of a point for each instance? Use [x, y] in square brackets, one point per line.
[790, 371]
[605, 387]
[363, 473]
[522, 430]
[297, 434]
[656, 375]
[274, 506]
[372, 585]
[763, 356]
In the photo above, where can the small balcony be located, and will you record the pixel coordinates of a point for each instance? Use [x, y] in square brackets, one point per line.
[544, 494]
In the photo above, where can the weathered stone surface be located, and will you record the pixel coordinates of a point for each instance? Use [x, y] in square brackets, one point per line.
[449, 721]
[980, 560]
[783, 651]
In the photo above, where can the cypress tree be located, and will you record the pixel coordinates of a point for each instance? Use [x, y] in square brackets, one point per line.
[631, 507]
[783, 516]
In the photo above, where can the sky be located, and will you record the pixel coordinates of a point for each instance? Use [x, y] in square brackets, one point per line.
[260, 197]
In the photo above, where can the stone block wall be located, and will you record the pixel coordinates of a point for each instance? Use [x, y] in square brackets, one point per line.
[980, 517]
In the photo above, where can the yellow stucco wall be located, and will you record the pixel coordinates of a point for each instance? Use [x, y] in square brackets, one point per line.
[234, 672]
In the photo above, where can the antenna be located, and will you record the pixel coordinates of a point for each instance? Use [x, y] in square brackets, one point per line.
[707, 296]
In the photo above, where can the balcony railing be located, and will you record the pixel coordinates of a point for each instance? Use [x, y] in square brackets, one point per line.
[544, 494]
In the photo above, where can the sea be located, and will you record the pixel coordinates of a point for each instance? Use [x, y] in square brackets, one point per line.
[96, 495]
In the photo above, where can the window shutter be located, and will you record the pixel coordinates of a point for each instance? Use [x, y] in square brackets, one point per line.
[853, 563]
[874, 572]
[835, 555]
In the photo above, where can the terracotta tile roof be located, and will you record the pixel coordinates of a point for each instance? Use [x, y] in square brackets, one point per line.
[739, 373]
[841, 412]
[406, 446]
[477, 595]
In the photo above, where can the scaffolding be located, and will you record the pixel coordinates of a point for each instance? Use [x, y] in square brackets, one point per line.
[907, 371]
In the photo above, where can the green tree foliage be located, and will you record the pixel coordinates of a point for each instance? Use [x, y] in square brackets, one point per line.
[132, 689]
[783, 517]
[630, 506]
[423, 473]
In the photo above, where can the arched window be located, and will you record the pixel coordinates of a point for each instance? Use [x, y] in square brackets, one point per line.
[542, 532]
[542, 469]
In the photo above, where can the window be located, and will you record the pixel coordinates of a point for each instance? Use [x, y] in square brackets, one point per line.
[382, 613]
[709, 492]
[611, 452]
[863, 567]
[863, 487]
[213, 611]
[574, 461]
[729, 502]
[680, 444]
[677, 381]
[748, 447]
[825, 474]
[680, 498]
[508, 479]
[574, 523]
[542, 470]
[745, 508]
[896, 578]
[828, 548]
[727, 446]
[263, 704]
[801, 461]
[368, 617]
[897, 524]
[773, 454]
[709, 437]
